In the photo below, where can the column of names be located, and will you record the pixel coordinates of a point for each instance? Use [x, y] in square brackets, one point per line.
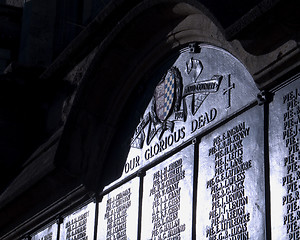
[166, 203]
[116, 215]
[290, 136]
[228, 215]
[76, 228]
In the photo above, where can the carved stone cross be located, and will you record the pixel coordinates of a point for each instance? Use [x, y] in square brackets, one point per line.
[228, 90]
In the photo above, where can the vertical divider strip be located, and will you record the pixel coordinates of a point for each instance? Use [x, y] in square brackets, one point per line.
[195, 142]
[96, 217]
[141, 175]
[267, 170]
[59, 222]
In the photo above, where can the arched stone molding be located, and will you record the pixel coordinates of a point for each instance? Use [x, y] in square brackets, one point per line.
[139, 43]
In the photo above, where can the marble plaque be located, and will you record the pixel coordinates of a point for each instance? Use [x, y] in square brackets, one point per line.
[79, 225]
[231, 195]
[284, 141]
[48, 233]
[118, 212]
[168, 197]
[196, 92]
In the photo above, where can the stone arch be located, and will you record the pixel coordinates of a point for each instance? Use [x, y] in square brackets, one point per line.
[122, 64]
[125, 50]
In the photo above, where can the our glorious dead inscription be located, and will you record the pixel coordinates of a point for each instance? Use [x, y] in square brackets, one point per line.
[199, 90]
[118, 213]
[167, 200]
[284, 161]
[230, 193]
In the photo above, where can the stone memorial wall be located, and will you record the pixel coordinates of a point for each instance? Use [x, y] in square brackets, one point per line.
[205, 162]
[231, 192]
[200, 90]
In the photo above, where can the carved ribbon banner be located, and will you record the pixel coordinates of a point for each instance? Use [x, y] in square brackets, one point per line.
[206, 86]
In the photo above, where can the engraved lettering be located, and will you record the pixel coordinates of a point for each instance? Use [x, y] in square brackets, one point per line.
[76, 227]
[116, 215]
[290, 181]
[228, 214]
[132, 164]
[164, 143]
[203, 120]
[166, 203]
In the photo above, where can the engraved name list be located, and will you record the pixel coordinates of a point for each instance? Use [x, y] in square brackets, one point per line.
[228, 213]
